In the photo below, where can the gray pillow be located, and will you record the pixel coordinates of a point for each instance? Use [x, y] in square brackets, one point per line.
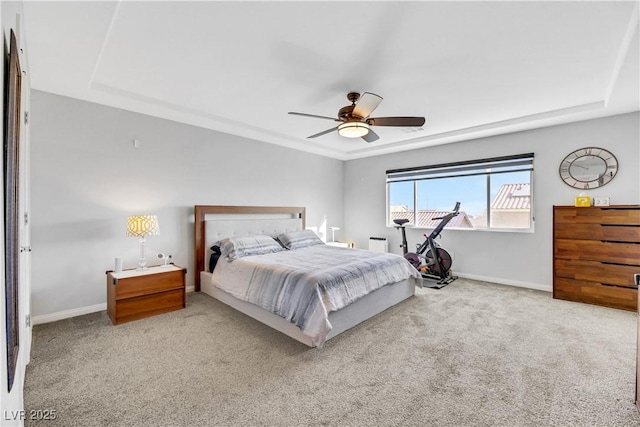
[299, 239]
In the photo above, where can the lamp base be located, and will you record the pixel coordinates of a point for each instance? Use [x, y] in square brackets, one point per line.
[142, 263]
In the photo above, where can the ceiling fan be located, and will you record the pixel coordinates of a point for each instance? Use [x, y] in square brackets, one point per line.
[355, 121]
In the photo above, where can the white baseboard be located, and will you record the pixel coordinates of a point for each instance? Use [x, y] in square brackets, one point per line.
[509, 282]
[67, 314]
[53, 317]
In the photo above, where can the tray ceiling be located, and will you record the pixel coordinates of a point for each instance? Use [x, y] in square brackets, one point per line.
[472, 69]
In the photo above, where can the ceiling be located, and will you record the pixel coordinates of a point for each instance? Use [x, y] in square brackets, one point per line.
[473, 69]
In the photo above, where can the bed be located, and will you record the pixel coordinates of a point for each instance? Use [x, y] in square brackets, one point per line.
[217, 223]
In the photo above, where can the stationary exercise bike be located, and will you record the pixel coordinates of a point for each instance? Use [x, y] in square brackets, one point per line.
[435, 269]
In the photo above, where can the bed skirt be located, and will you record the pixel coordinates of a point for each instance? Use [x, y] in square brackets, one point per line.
[341, 320]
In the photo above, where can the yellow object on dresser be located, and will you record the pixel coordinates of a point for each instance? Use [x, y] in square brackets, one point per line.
[596, 252]
[582, 201]
[136, 294]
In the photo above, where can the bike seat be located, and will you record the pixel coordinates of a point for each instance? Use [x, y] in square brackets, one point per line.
[400, 222]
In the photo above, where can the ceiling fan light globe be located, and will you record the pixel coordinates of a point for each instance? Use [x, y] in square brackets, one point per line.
[353, 129]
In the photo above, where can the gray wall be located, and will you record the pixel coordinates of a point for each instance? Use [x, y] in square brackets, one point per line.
[504, 257]
[87, 178]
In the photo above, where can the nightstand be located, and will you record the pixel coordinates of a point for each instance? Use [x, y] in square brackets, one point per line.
[136, 294]
[338, 244]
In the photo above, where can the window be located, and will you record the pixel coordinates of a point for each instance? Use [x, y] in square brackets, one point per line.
[493, 193]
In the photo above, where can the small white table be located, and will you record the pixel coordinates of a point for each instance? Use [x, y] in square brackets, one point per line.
[338, 244]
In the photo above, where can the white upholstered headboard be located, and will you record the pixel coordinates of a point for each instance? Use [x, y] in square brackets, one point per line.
[213, 223]
[217, 229]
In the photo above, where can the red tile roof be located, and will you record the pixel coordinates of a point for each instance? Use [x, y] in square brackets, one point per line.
[425, 218]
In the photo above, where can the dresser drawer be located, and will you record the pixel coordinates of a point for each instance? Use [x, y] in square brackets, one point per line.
[595, 250]
[595, 293]
[149, 305]
[595, 271]
[613, 233]
[611, 215]
[145, 285]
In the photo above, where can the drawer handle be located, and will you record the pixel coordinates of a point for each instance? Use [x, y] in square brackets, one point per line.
[619, 242]
[620, 286]
[618, 263]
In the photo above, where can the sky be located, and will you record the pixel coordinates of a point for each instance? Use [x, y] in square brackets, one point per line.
[442, 194]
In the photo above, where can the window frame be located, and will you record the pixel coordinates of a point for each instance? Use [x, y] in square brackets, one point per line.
[520, 163]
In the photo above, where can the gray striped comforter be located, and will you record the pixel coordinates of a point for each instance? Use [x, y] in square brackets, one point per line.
[304, 285]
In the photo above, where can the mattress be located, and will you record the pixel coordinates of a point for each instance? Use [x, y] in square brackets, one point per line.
[304, 285]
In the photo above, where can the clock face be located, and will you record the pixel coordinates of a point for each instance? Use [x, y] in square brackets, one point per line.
[589, 167]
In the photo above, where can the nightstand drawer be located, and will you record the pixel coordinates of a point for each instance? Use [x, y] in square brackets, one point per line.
[149, 305]
[145, 285]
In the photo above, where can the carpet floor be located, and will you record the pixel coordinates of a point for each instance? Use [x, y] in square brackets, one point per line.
[470, 354]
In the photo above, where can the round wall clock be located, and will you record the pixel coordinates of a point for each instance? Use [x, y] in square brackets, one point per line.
[589, 167]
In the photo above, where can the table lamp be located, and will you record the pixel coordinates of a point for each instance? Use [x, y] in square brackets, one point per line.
[142, 226]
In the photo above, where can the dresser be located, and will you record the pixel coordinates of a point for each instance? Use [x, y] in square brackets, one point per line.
[596, 252]
[136, 294]
[637, 280]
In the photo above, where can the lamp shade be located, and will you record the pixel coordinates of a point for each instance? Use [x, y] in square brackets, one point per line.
[142, 225]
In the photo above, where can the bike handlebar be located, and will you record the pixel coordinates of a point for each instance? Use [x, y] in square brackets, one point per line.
[454, 211]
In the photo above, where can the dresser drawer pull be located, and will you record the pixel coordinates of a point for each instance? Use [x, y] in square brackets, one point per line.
[618, 263]
[620, 286]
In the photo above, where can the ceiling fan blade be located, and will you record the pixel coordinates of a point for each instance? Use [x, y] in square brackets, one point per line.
[313, 115]
[366, 104]
[371, 136]
[323, 132]
[396, 121]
